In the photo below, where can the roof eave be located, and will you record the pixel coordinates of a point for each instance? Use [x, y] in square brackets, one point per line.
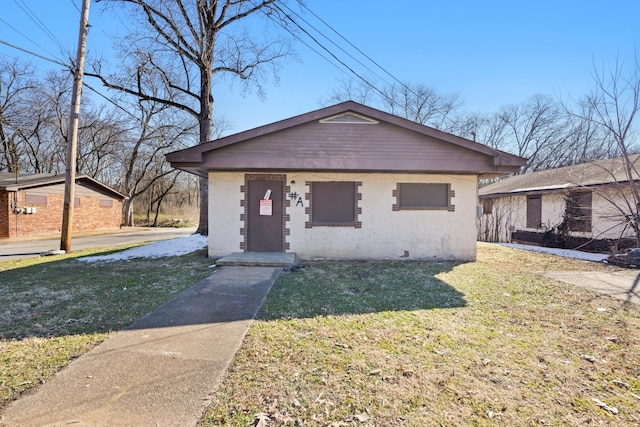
[59, 179]
[196, 154]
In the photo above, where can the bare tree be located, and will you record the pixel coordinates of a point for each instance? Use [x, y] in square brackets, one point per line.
[421, 104]
[349, 90]
[156, 133]
[415, 102]
[613, 106]
[16, 82]
[180, 45]
[532, 129]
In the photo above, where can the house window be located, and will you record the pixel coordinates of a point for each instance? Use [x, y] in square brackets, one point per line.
[333, 204]
[106, 203]
[35, 199]
[534, 211]
[421, 196]
[76, 202]
[578, 211]
[487, 206]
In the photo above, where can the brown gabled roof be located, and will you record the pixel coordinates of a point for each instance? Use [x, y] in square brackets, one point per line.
[197, 159]
[8, 183]
[601, 172]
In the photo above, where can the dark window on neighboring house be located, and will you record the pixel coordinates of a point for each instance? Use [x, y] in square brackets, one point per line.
[578, 211]
[35, 199]
[76, 202]
[421, 196]
[333, 204]
[106, 203]
[534, 211]
[487, 206]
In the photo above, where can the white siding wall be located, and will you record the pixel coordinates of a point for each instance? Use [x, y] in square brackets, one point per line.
[510, 213]
[385, 234]
[552, 211]
[507, 215]
[607, 219]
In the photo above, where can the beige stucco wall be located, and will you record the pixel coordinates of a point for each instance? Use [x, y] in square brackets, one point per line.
[509, 213]
[385, 234]
[224, 213]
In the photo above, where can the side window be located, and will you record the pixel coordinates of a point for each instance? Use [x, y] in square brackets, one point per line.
[35, 199]
[578, 211]
[422, 196]
[487, 206]
[534, 211]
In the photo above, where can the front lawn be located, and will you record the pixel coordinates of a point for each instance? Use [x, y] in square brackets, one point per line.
[371, 344]
[55, 309]
[423, 344]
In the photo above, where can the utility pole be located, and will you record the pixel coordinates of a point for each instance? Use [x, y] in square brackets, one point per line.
[72, 132]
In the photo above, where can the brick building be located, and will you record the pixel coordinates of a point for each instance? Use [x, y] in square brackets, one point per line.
[32, 205]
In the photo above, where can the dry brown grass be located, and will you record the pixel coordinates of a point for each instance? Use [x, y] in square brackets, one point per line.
[483, 343]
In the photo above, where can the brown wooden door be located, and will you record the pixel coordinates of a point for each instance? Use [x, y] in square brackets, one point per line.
[264, 232]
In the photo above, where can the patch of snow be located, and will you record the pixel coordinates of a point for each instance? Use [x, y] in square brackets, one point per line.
[568, 253]
[163, 248]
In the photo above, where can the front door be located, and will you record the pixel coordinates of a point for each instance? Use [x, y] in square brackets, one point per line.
[264, 231]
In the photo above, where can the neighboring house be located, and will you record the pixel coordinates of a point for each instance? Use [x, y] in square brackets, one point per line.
[570, 206]
[344, 182]
[32, 205]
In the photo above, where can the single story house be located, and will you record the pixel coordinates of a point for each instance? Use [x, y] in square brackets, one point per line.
[344, 182]
[32, 205]
[581, 205]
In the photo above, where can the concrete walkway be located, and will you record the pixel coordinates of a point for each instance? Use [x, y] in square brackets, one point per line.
[163, 370]
[623, 284]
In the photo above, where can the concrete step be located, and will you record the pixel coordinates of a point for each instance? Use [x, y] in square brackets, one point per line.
[262, 259]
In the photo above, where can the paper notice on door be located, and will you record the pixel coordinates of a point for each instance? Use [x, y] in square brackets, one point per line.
[266, 207]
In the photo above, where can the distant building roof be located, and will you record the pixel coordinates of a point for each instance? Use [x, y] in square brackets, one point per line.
[8, 182]
[582, 175]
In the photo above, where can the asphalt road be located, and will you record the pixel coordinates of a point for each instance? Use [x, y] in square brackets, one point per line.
[33, 248]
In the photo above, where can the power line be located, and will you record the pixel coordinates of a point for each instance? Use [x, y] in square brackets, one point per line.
[293, 34]
[24, 35]
[76, 6]
[352, 45]
[39, 23]
[34, 53]
[347, 67]
[385, 96]
[339, 47]
[111, 101]
[315, 40]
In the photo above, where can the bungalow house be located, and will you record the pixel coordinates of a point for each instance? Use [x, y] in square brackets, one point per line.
[344, 182]
[32, 205]
[582, 205]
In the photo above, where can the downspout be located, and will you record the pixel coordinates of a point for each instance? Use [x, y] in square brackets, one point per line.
[15, 206]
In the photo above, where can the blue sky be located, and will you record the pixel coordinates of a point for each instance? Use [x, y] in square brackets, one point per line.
[490, 53]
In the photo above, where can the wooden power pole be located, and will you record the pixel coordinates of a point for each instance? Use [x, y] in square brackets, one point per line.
[72, 132]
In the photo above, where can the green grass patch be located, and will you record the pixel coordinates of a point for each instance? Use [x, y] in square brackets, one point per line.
[58, 308]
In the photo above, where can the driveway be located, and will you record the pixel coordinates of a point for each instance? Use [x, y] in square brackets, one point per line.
[14, 250]
[621, 284]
